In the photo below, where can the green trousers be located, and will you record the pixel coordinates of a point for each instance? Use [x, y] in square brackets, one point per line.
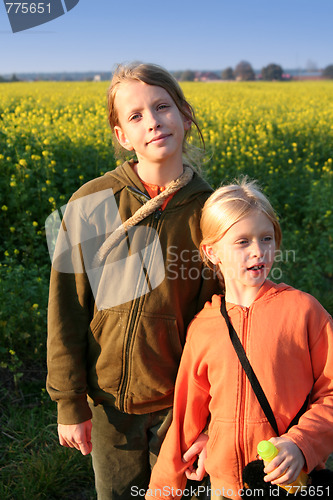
[125, 448]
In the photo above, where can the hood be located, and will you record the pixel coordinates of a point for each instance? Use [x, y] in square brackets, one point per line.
[124, 175]
[268, 290]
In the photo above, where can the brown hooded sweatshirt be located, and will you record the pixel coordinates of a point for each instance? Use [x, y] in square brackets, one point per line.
[116, 332]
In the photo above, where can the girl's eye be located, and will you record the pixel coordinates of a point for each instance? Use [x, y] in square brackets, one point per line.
[268, 239]
[242, 242]
[162, 106]
[134, 117]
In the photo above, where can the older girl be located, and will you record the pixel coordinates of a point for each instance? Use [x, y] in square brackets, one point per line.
[118, 312]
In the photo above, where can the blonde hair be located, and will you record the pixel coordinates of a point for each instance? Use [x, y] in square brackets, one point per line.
[151, 74]
[226, 206]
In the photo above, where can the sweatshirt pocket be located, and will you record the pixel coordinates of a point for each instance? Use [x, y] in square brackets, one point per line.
[222, 458]
[105, 352]
[142, 362]
[155, 358]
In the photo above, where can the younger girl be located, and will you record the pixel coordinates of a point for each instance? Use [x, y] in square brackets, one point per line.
[122, 296]
[288, 339]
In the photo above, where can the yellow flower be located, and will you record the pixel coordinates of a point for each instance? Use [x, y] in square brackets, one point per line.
[4, 208]
[35, 224]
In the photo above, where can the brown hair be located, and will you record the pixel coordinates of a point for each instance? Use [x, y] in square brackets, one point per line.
[151, 74]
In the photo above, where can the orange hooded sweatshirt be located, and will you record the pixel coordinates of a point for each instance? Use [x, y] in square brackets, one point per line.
[288, 338]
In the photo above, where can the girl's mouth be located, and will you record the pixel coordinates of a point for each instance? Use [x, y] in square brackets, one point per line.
[158, 138]
[258, 267]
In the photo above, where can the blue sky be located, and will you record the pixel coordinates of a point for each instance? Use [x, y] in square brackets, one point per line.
[178, 34]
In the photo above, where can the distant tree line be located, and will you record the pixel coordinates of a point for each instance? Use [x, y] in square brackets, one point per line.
[328, 72]
[184, 76]
[12, 79]
[244, 72]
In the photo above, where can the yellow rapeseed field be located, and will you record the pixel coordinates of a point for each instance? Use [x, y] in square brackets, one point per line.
[55, 136]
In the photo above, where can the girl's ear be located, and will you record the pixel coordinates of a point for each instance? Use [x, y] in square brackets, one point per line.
[186, 117]
[210, 254]
[187, 123]
[122, 139]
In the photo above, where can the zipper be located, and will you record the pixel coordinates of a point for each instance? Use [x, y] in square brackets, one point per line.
[245, 314]
[139, 195]
[133, 319]
[157, 214]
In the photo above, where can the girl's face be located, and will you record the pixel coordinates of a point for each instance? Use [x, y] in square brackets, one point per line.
[149, 122]
[245, 254]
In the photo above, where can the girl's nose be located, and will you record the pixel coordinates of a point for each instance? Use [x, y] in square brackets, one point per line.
[153, 122]
[256, 249]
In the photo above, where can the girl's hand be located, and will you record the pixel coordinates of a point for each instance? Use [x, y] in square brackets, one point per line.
[76, 436]
[198, 448]
[286, 466]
